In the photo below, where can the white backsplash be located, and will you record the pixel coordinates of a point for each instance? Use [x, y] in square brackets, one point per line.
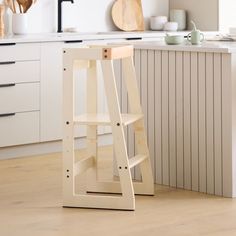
[86, 15]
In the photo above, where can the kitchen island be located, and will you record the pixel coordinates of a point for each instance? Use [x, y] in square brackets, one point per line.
[189, 99]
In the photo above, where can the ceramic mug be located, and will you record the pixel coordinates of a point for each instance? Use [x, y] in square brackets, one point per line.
[195, 37]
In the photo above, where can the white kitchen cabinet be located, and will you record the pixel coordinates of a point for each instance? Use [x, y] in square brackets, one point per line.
[19, 128]
[19, 94]
[19, 97]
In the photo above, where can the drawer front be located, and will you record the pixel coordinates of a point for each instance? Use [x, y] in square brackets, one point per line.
[21, 128]
[20, 52]
[19, 98]
[19, 72]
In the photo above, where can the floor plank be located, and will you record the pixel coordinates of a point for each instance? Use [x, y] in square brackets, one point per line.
[30, 204]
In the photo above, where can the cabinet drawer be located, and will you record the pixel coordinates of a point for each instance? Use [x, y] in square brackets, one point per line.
[20, 128]
[19, 98]
[19, 72]
[19, 52]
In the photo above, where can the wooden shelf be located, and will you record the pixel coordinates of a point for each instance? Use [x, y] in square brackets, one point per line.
[104, 119]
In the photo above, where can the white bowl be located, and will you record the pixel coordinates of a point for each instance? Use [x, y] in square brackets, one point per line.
[171, 26]
[158, 22]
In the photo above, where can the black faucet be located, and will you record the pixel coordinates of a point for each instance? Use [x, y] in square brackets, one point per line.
[59, 14]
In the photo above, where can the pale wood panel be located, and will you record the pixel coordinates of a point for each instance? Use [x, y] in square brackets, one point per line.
[172, 118]
[165, 117]
[123, 100]
[118, 77]
[233, 108]
[151, 107]
[179, 120]
[202, 120]
[117, 70]
[217, 124]
[144, 85]
[209, 123]
[124, 106]
[137, 64]
[187, 122]
[194, 120]
[227, 125]
[158, 116]
[130, 144]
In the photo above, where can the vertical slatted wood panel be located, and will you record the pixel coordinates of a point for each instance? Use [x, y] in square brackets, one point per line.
[187, 121]
[165, 118]
[137, 63]
[179, 120]
[144, 85]
[209, 122]
[202, 121]
[151, 106]
[194, 121]
[227, 125]
[158, 117]
[172, 119]
[187, 102]
[217, 124]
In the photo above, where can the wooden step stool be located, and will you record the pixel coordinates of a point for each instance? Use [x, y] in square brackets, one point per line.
[94, 195]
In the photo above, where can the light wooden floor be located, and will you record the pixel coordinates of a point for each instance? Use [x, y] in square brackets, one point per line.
[30, 205]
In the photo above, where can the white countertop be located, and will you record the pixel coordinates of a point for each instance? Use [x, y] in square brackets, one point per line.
[57, 37]
[208, 46]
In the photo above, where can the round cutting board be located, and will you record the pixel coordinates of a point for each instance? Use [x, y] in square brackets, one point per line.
[128, 15]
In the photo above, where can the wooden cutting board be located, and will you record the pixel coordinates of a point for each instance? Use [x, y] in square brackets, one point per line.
[128, 15]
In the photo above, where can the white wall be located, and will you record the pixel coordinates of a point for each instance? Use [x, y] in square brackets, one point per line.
[203, 12]
[86, 15]
[227, 14]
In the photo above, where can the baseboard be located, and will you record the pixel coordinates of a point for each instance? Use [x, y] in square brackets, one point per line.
[46, 148]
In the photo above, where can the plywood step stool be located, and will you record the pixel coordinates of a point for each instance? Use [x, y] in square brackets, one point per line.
[93, 196]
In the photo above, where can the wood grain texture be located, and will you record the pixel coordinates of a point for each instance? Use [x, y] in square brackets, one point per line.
[209, 123]
[128, 15]
[158, 117]
[32, 206]
[172, 118]
[151, 106]
[165, 118]
[187, 121]
[202, 121]
[217, 123]
[179, 120]
[194, 121]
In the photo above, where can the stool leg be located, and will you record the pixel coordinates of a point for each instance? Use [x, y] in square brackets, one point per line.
[68, 131]
[118, 132]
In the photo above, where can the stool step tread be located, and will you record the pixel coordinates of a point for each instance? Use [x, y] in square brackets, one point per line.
[104, 119]
[136, 160]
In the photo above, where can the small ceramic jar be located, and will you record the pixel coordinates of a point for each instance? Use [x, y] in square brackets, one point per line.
[171, 26]
[158, 22]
